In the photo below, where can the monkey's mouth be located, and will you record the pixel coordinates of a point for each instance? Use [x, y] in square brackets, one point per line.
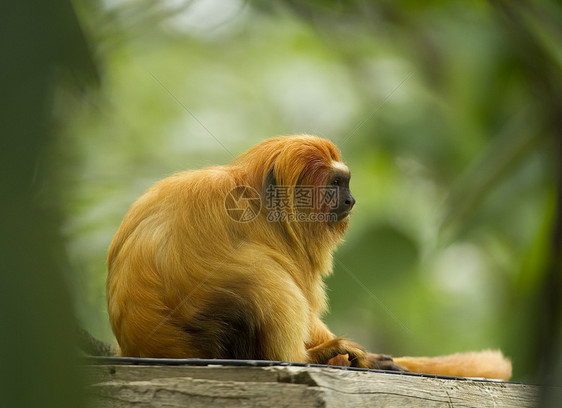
[340, 215]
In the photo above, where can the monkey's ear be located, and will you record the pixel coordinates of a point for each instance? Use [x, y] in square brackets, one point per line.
[268, 184]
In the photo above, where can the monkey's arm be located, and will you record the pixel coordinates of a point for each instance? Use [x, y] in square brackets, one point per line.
[327, 349]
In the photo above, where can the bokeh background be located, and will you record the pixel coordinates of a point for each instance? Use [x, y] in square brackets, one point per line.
[449, 114]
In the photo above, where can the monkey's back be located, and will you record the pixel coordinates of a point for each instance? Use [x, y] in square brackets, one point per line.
[165, 247]
[180, 268]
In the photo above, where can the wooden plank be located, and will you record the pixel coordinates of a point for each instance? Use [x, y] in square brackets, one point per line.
[219, 386]
[365, 389]
[189, 392]
[103, 373]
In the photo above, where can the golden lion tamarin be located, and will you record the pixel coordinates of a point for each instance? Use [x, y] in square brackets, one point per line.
[229, 262]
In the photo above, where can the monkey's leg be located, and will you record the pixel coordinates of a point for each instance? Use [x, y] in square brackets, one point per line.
[251, 318]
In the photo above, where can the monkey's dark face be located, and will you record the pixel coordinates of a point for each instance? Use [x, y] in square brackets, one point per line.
[315, 190]
[343, 200]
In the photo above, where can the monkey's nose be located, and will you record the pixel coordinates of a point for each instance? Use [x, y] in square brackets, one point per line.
[350, 202]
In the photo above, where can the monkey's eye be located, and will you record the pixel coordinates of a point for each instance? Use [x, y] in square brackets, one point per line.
[336, 181]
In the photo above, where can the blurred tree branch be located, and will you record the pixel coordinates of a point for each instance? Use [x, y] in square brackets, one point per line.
[540, 53]
[42, 45]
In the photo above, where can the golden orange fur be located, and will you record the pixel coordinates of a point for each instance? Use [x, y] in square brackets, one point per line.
[483, 364]
[186, 280]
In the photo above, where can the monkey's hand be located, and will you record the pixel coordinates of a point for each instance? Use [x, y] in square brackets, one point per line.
[383, 362]
[374, 361]
[324, 352]
[333, 352]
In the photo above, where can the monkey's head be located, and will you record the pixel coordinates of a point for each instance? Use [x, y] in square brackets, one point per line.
[303, 182]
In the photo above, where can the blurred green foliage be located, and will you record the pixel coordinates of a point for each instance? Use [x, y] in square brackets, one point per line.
[42, 46]
[444, 110]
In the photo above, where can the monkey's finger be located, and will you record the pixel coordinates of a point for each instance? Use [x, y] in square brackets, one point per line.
[383, 362]
[358, 358]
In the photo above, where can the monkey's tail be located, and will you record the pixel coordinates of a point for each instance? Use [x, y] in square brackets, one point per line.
[483, 364]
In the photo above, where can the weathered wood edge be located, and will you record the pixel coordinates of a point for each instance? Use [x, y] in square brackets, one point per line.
[222, 386]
